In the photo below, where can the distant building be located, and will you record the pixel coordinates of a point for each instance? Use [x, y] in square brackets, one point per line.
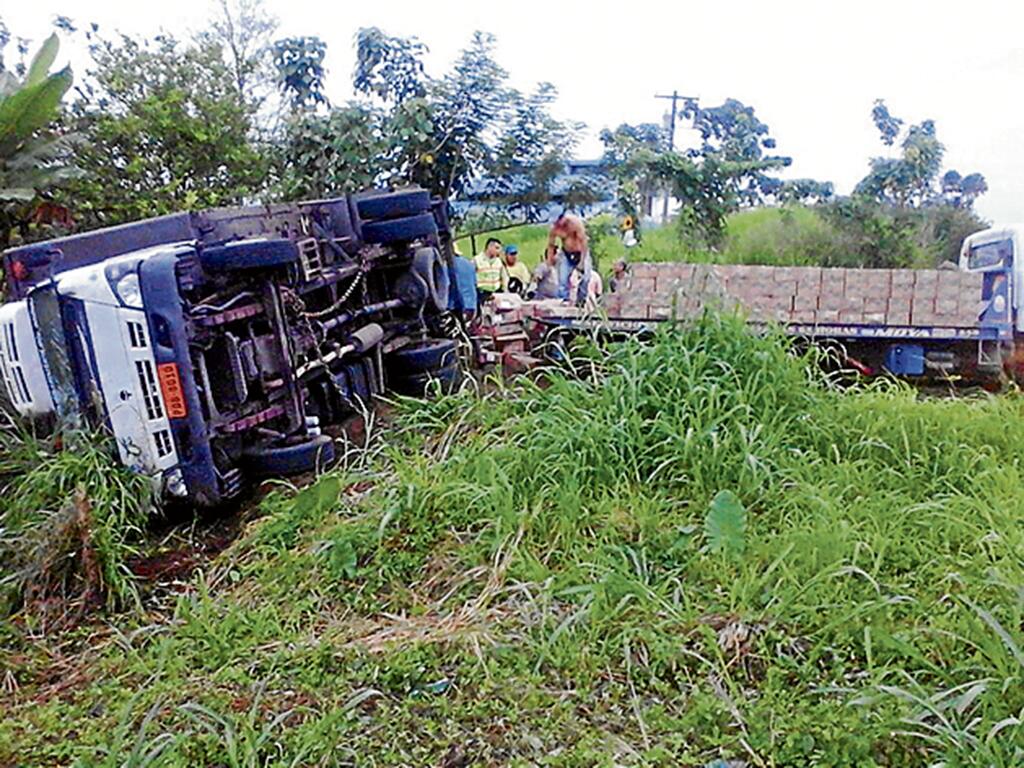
[587, 175]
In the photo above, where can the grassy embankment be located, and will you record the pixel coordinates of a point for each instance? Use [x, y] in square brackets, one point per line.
[692, 550]
[790, 236]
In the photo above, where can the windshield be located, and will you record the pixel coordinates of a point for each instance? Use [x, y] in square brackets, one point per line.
[990, 255]
[50, 332]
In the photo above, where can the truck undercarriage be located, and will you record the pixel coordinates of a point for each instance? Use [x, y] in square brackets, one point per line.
[242, 333]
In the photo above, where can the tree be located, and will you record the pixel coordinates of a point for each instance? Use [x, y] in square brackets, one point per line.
[730, 168]
[390, 68]
[961, 191]
[164, 129]
[244, 32]
[324, 155]
[408, 127]
[299, 62]
[803, 191]
[887, 125]
[908, 180]
[628, 154]
[30, 154]
[732, 134]
[529, 156]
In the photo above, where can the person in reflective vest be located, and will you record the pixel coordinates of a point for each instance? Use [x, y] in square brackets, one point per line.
[491, 275]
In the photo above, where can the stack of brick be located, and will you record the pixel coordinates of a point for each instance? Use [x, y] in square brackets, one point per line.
[802, 295]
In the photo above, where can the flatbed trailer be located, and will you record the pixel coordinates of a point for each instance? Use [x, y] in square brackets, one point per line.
[928, 323]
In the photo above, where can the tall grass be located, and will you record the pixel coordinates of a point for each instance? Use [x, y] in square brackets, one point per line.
[69, 517]
[664, 554]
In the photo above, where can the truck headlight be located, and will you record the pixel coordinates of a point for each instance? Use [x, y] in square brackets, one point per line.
[128, 291]
[174, 483]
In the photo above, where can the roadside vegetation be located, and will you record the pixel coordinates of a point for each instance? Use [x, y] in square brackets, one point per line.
[694, 550]
[70, 516]
[837, 234]
[668, 554]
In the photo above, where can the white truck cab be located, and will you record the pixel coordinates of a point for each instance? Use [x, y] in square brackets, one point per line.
[94, 312]
[995, 250]
[21, 368]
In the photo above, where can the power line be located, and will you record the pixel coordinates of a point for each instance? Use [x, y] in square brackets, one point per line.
[675, 97]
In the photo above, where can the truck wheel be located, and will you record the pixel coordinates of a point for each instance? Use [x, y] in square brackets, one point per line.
[418, 384]
[439, 207]
[399, 230]
[431, 355]
[427, 263]
[392, 205]
[315, 453]
[248, 254]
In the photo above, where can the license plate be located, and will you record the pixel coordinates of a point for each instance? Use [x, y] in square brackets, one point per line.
[170, 388]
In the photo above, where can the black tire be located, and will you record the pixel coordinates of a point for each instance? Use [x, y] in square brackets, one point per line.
[427, 263]
[248, 254]
[418, 384]
[439, 207]
[315, 453]
[392, 205]
[400, 230]
[431, 355]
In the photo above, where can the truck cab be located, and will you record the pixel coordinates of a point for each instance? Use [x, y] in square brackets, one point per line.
[221, 357]
[994, 253]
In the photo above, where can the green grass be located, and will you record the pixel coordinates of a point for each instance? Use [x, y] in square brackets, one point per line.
[70, 516]
[791, 236]
[674, 553]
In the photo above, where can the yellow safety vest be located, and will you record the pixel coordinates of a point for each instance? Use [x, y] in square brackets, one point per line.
[491, 275]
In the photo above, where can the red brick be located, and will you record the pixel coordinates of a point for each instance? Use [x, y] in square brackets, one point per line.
[612, 304]
[901, 291]
[898, 305]
[833, 275]
[643, 284]
[877, 303]
[643, 270]
[827, 316]
[633, 306]
[897, 318]
[922, 305]
[926, 284]
[901, 277]
[831, 301]
[803, 303]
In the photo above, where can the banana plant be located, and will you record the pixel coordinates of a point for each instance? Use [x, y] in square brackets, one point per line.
[30, 156]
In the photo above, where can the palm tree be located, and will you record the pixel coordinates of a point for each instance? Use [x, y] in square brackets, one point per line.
[31, 157]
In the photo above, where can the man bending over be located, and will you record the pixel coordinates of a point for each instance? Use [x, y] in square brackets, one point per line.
[574, 254]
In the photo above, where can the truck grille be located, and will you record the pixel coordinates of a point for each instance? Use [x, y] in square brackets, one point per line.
[148, 386]
[10, 366]
[12, 342]
[164, 444]
[136, 335]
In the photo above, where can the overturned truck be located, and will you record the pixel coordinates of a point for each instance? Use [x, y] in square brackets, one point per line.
[216, 345]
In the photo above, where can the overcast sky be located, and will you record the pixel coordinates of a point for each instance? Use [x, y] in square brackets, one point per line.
[810, 69]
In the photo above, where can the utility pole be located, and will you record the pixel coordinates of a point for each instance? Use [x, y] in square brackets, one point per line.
[675, 97]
